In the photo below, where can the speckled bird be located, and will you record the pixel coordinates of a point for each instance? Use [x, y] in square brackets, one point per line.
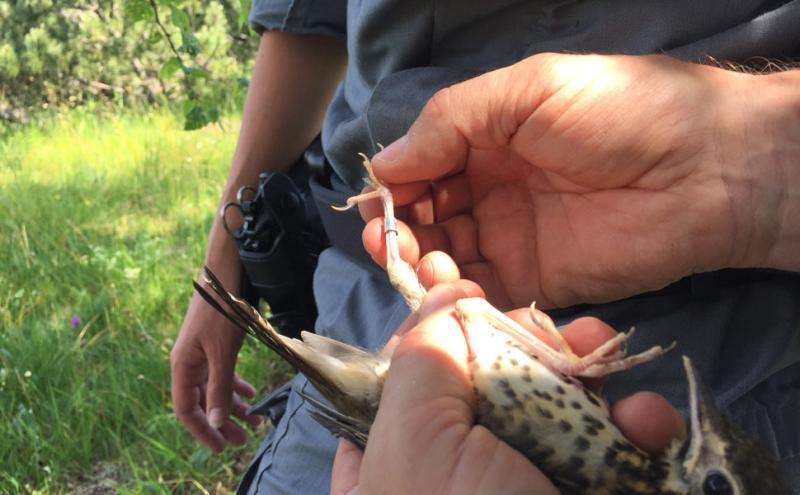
[528, 394]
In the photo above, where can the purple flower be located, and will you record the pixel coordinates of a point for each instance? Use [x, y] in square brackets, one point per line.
[75, 321]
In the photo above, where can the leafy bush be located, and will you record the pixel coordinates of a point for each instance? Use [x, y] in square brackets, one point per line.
[71, 52]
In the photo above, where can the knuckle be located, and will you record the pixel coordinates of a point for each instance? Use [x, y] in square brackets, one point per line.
[440, 103]
[437, 136]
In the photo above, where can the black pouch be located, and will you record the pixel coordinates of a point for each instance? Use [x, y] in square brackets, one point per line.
[279, 243]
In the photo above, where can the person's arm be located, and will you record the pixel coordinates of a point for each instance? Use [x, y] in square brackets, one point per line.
[293, 81]
[767, 203]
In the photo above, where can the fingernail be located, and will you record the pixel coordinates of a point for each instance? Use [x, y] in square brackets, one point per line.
[217, 417]
[394, 151]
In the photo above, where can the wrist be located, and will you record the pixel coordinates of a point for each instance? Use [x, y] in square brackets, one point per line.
[222, 257]
[202, 319]
[767, 200]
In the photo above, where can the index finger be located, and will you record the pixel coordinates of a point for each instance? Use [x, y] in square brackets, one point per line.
[432, 148]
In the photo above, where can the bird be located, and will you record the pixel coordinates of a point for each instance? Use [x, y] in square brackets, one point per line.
[528, 393]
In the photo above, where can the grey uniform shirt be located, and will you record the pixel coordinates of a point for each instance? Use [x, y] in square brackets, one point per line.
[740, 327]
[403, 51]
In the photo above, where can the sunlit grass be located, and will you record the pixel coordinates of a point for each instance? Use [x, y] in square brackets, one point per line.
[104, 219]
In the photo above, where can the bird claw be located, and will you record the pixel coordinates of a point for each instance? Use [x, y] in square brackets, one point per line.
[607, 359]
[401, 274]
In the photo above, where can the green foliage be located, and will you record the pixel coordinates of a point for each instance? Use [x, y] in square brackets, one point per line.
[70, 52]
[105, 220]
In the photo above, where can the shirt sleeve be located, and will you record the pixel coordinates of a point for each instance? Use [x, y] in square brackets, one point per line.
[321, 17]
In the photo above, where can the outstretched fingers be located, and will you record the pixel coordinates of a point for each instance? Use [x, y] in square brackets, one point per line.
[241, 389]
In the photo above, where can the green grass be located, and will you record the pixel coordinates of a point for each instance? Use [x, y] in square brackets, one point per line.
[105, 217]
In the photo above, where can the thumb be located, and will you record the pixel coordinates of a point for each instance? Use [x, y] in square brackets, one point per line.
[483, 113]
[219, 393]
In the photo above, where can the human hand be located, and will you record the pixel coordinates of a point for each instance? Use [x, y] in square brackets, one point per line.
[205, 389]
[566, 179]
[424, 438]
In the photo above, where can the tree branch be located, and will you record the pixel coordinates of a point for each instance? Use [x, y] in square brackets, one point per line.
[164, 31]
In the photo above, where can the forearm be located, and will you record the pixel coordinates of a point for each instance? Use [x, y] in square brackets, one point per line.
[769, 212]
[293, 81]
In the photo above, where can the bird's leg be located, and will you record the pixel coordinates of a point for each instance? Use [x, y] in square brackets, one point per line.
[606, 359]
[543, 322]
[401, 274]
